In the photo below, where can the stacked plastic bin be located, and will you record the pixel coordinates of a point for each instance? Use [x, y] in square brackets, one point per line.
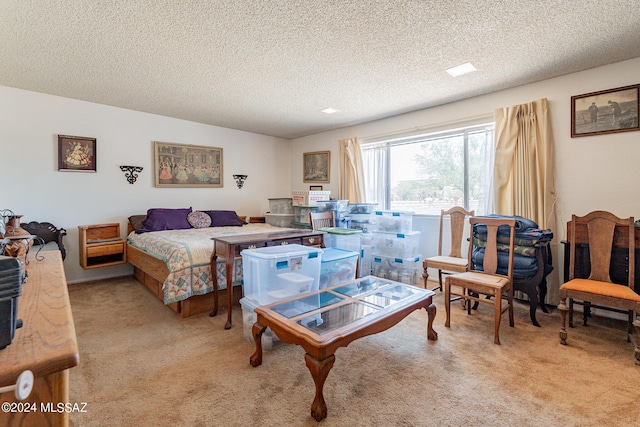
[280, 212]
[362, 219]
[395, 247]
[274, 273]
[337, 266]
[340, 211]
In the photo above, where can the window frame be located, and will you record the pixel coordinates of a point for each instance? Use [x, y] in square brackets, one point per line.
[481, 124]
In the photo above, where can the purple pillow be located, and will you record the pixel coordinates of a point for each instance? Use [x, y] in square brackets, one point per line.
[224, 218]
[166, 219]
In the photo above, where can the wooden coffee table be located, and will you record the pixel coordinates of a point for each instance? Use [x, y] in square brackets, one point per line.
[323, 321]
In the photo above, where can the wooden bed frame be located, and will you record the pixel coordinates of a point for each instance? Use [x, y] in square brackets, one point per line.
[152, 272]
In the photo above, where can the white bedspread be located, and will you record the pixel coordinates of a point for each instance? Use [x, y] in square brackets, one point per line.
[187, 254]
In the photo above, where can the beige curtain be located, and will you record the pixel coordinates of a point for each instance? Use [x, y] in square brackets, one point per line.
[524, 180]
[350, 172]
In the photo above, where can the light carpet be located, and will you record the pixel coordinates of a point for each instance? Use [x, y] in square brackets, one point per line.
[141, 364]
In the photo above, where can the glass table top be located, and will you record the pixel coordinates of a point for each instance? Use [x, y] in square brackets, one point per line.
[333, 308]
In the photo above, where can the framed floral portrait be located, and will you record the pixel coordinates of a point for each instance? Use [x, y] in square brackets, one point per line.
[606, 111]
[181, 165]
[76, 154]
[316, 166]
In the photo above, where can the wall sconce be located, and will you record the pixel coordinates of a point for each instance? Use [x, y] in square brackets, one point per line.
[130, 172]
[240, 179]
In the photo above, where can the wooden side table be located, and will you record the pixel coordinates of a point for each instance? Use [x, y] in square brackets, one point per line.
[101, 245]
[45, 344]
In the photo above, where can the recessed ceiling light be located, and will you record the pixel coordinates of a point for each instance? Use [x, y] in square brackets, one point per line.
[461, 69]
[330, 110]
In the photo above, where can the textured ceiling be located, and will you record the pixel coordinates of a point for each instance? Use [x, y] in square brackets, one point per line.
[270, 66]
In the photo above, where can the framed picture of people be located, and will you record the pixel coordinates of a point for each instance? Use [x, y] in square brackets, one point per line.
[606, 111]
[76, 154]
[181, 165]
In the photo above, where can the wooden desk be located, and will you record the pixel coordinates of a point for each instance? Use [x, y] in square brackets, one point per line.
[46, 344]
[229, 247]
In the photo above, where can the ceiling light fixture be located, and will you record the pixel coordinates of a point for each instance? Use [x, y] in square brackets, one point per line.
[465, 68]
[330, 110]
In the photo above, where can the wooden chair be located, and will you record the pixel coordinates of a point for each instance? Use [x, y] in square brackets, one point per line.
[598, 288]
[321, 220]
[47, 232]
[482, 281]
[454, 262]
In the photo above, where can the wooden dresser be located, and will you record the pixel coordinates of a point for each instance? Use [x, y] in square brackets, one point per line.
[45, 344]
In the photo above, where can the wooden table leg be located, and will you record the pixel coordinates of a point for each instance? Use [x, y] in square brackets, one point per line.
[319, 370]
[257, 330]
[431, 313]
[214, 279]
[229, 261]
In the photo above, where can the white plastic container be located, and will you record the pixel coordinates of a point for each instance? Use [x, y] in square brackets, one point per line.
[309, 198]
[408, 270]
[361, 208]
[269, 339]
[281, 206]
[392, 222]
[335, 205]
[343, 238]
[397, 245]
[279, 220]
[337, 266]
[264, 272]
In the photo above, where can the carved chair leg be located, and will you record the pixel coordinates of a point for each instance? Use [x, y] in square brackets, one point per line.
[498, 316]
[571, 312]
[563, 322]
[447, 303]
[634, 339]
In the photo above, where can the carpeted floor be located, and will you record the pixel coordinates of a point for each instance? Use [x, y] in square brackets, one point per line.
[143, 365]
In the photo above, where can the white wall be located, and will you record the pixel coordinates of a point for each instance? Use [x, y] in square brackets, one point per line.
[592, 172]
[595, 172]
[30, 123]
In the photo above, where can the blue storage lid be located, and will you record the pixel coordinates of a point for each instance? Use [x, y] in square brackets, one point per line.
[283, 251]
[335, 254]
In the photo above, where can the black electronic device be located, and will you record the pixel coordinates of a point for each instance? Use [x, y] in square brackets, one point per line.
[11, 279]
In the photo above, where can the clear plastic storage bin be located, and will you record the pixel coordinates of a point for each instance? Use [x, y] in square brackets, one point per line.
[392, 222]
[407, 270]
[269, 338]
[337, 266]
[281, 206]
[361, 208]
[267, 272]
[279, 220]
[343, 238]
[397, 245]
[336, 205]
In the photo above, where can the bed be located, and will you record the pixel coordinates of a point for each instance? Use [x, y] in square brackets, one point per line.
[174, 263]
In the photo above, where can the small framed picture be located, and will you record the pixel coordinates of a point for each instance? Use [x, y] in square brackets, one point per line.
[606, 111]
[316, 166]
[76, 154]
[315, 188]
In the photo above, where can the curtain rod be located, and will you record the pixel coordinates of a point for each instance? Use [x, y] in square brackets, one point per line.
[469, 121]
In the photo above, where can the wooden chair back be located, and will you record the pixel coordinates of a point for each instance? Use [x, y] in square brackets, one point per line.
[490, 261]
[458, 218]
[601, 227]
[321, 220]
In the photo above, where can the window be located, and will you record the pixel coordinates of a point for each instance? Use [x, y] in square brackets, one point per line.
[427, 172]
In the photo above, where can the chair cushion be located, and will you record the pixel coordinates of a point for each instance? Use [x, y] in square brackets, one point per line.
[447, 263]
[480, 280]
[597, 287]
